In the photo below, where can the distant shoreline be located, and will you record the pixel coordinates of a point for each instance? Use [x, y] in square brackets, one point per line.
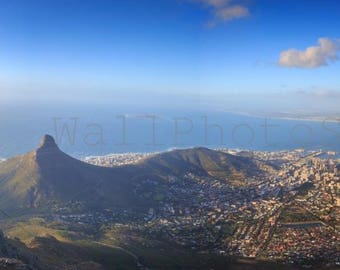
[308, 119]
[290, 118]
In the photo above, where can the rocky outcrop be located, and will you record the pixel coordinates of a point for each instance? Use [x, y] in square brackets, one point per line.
[12, 258]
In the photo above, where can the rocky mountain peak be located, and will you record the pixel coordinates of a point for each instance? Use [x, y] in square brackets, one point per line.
[47, 142]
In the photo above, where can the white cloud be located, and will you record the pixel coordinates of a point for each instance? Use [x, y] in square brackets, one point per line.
[224, 10]
[316, 56]
[233, 12]
[215, 3]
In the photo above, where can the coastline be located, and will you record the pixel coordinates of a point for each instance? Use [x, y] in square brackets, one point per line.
[289, 118]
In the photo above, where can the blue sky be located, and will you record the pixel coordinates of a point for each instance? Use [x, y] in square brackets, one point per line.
[213, 53]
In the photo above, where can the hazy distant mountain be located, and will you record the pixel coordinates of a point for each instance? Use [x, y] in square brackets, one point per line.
[48, 176]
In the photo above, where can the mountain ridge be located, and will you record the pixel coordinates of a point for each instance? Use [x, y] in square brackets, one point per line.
[48, 176]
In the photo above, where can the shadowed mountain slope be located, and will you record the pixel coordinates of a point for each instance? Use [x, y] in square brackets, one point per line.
[47, 175]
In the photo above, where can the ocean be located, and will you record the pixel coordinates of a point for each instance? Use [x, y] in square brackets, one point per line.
[99, 130]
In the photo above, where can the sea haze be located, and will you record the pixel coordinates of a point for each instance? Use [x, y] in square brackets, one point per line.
[88, 130]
